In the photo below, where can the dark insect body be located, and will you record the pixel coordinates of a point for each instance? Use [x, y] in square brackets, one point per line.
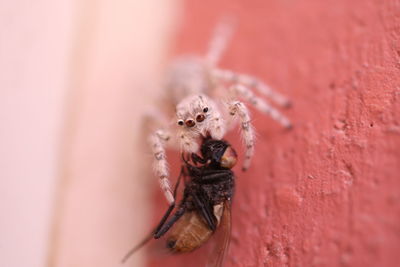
[205, 205]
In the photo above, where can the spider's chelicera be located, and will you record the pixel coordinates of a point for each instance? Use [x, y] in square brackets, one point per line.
[208, 103]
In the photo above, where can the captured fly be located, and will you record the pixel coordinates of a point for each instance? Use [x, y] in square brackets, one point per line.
[205, 205]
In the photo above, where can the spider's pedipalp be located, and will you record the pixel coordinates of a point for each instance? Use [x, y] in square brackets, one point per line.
[252, 82]
[237, 108]
[188, 140]
[216, 125]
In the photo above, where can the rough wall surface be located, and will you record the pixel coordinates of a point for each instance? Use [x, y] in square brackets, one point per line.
[326, 193]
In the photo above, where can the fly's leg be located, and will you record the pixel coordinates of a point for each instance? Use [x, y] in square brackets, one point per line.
[165, 227]
[207, 213]
[150, 236]
[172, 206]
[160, 224]
[197, 159]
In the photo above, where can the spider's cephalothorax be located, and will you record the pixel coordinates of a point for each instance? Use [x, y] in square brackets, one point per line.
[208, 103]
[205, 204]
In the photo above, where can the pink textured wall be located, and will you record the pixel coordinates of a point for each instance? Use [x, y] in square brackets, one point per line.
[326, 193]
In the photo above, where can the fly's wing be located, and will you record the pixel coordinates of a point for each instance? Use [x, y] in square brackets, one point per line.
[222, 239]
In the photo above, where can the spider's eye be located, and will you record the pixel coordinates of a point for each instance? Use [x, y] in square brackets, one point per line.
[190, 123]
[200, 118]
[180, 122]
[205, 109]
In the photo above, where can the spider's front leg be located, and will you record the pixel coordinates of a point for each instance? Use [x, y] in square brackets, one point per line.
[158, 140]
[251, 82]
[237, 108]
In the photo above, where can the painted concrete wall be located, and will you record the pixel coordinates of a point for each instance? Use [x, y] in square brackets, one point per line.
[326, 193]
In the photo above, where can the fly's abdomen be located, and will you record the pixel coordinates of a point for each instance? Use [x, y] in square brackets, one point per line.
[189, 233]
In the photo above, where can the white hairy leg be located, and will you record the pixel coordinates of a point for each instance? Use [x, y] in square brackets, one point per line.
[219, 41]
[237, 108]
[261, 104]
[157, 141]
[251, 82]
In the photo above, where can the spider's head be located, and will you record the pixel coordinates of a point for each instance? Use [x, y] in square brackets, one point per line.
[193, 111]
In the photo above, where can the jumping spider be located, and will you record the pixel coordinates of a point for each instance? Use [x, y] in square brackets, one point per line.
[206, 101]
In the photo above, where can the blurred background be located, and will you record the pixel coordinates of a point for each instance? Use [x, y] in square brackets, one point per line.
[76, 76]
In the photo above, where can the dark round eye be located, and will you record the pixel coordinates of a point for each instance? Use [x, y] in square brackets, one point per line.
[180, 122]
[200, 118]
[205, 109]
[190, 123]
